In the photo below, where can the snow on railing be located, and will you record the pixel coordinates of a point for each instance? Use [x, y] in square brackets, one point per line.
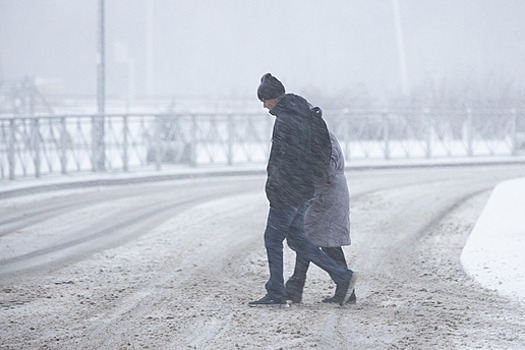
[35, 146]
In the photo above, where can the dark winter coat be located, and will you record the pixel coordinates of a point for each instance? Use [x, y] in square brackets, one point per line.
[290, 174]
[327, 219]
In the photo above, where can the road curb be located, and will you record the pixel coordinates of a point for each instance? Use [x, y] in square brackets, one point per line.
[103, 179]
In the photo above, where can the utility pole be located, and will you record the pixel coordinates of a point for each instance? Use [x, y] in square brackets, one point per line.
[149, 49]
[405, 89]
[98, 133]
[1, 66]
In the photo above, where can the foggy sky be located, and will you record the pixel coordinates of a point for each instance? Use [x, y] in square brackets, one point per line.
[221, 48]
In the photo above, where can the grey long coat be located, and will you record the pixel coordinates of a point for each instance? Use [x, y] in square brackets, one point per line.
[327, 219]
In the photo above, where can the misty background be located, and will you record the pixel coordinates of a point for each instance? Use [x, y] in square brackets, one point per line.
[341, 53]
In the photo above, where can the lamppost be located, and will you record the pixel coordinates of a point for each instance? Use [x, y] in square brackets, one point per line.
[149, 49]
[98, 148]
[405, 89]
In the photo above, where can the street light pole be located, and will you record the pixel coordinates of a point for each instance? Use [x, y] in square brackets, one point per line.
[149, 49]
[101, 94]
[99, 158]
[405, 89]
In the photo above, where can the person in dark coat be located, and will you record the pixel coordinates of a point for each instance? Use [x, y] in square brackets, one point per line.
[327, 222]
[289, 185]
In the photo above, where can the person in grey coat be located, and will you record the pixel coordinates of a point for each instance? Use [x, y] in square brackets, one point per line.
[327, 222]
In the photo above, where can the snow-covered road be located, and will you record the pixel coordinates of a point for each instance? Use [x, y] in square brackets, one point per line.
[172, 265]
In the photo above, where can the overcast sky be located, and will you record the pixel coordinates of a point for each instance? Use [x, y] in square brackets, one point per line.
[221, 48]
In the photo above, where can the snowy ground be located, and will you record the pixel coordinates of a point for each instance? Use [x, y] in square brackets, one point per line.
[494, 254]
[172, 265]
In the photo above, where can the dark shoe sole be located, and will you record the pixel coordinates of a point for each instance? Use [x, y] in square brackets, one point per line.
[334, 300]
[285, 305]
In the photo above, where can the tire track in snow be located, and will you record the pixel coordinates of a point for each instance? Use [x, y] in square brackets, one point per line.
[103, 235]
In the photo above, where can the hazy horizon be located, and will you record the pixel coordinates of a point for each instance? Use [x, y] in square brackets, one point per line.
[220, 49]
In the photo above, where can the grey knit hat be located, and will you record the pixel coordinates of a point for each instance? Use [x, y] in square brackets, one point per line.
[270, 88]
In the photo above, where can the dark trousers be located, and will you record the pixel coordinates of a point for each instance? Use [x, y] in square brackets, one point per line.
[288, 223]
[295, 285]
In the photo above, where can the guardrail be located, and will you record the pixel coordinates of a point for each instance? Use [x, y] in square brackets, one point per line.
[35, 146]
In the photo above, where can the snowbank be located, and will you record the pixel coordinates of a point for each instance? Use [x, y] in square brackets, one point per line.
[495, 251]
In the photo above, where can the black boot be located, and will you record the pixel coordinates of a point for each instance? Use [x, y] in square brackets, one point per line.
[334, 299]
[294, 290]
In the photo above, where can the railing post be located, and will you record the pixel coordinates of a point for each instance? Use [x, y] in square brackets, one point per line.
[98, 144]
[125, 145]
[93, 145]
[193, 138]
[158, 142]
[11, 149]
[231, 135]
[428, 121]
[386, 134]
[469, 132]
[35, 145]
[514, 134]
[63, 145]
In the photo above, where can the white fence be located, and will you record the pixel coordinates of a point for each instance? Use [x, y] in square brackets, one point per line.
[35, 146]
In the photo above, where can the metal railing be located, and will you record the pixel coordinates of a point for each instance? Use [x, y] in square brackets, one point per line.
[426, 133]
[35, 146]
